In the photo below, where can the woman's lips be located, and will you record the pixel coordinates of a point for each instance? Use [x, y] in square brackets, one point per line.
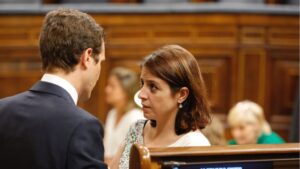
[146, 107]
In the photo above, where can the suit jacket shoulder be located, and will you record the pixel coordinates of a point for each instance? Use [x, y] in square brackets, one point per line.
[43, 129]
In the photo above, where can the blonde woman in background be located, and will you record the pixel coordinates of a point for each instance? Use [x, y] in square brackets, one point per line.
[122, 85]
[249, 126]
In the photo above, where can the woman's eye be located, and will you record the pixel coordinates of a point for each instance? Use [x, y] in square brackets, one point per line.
[152, 87]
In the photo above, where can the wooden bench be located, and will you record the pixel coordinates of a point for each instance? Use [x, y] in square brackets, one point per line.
[280, 156]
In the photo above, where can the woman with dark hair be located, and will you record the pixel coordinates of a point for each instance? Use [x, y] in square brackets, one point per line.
[173, 97]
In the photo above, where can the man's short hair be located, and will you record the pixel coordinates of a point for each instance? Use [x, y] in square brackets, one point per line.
[65, 34]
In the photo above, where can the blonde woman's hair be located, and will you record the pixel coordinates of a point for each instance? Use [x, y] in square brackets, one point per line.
[248, 112]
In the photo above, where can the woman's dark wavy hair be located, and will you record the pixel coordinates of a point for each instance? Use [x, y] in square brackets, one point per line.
[179, 68]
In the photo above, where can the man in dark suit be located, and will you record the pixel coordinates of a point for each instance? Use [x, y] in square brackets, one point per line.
[43, 128]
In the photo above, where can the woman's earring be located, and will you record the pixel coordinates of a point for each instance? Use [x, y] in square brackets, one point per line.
[180, 105]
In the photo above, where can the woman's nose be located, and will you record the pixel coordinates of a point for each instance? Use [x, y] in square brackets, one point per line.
[106, 90]
[142, 94]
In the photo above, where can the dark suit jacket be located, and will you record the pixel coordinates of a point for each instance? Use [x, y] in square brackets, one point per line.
[43, 129]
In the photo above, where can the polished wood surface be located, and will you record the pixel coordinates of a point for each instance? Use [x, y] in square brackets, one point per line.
[226, 150]
[241, 55]
[282, 155]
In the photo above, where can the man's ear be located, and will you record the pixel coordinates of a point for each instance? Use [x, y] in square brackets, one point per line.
[182, 94]
[86, 58]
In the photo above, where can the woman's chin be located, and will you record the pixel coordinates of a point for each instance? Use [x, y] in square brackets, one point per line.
[146, 113]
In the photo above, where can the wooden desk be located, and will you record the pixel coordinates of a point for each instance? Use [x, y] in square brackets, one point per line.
[282, 155]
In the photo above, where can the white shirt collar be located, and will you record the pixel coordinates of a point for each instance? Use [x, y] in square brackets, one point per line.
[50, 78]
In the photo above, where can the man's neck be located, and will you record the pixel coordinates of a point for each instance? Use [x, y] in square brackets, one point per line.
[62, 81]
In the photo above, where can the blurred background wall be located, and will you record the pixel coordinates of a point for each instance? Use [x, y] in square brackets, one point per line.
[246, 49]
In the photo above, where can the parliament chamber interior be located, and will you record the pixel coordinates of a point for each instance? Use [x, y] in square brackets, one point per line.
[246, 50]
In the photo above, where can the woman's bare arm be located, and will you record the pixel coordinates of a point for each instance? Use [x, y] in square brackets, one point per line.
[114, 163]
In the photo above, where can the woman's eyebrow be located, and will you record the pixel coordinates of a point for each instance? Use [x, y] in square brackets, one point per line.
[151, 81]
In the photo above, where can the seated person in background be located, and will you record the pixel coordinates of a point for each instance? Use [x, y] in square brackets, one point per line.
[215, 132]
[248, 125]
[120, 90]
[173, 96]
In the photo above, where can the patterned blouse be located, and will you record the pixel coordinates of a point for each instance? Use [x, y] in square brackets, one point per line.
[135, 135]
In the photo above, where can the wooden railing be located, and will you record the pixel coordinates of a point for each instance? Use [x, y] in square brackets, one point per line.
[280, 156]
